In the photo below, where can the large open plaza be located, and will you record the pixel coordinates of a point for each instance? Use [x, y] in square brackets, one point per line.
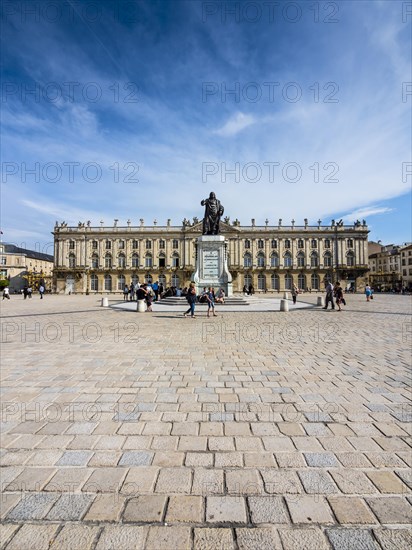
[258, 430]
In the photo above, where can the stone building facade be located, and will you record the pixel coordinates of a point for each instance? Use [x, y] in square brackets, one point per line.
[271, 258]
[23, 267]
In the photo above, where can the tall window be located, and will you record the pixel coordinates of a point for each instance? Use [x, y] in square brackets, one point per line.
[327, 243]
[261, 243]
[107, 282]
[314, 243]
[135, 260]
[327, 259]
[72, 245]
[121, 281]
[108, 261]
[95, 245]
[287, 260]
[301, 243]
[247, 243]
[350, 243]
[148, 261]
[350, 259]
[72, 260]
[301, 259]
[287, 243]
[175, 243]
[135, 244]
[108, 244]
[274, 243]
[175, 280]
[314, 281]
[148, 279]
[288, 281]
[121, 245]
[162, 260]
[94, 282]
[314, 260]
[162, 280]
[274, 260]
[148, 244]
[261, 282]
[95, 261]
[247, 260]
[302, 281]
[261, 260]
[175, 260]
[275, 282]
[135, 279]
[248, 280]
[162, 244]
[121, 261]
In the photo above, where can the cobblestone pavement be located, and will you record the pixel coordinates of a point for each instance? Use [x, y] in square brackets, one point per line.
[245, 431]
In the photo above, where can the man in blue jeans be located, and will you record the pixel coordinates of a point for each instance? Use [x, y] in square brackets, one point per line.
[329, 295]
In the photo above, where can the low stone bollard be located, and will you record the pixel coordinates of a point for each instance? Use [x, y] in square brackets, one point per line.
[321, 301]
[286, 296]
[105, 302]
[141, 306]
[284, 305]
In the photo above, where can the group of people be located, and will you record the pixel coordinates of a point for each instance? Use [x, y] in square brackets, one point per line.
[130, 292]
[249, 290]
[334, 291]
[207, 296]
[27, 292]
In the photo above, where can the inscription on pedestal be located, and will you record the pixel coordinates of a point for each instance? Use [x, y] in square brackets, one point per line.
[211, 264]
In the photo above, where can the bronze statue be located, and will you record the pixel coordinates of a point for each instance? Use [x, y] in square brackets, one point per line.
[213, 211]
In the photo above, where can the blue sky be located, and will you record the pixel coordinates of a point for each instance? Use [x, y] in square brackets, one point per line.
[131, 113]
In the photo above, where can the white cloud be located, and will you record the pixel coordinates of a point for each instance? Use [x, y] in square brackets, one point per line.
[364, 213]
[237, 122]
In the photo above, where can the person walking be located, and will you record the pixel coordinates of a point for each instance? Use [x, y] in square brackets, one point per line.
[210, 297]
[41, 291]
[6, 293]
[125, 293]
[191, 299]
[294, 293]
[25, 292]
[29, 292]
[339, 296]
[368, 292]
[329, 295]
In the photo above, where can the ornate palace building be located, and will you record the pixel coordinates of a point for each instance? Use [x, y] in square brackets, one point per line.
[271, 258]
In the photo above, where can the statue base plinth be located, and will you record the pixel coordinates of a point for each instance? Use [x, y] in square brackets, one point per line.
[211, 265]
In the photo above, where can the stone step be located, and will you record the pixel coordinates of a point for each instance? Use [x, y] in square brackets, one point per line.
[181, 300]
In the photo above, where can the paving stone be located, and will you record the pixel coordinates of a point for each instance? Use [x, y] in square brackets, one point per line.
[321, 460]
[348, 539]
[8, 501]
[207, 482]
[136, 458]
[31, 479]
[244, 482]
[70, 507]
[165, 538]
[68, 480]
[183, 508]
[7, 530]
[308, 539]
[228, 460]
[268, 509]
[105, 507]
[351, 510]
[75, 536]
[75, 458]
[389, 539]
[317, 482]
[281, 482]
[307, 509]
[122, 537]
[32, 506]
[225, 509]
[35, 537]
[221, 444]
[391, 510]
[263, 538]
[259, 460]
[139, 480]
[169, 458]
[387, 482]
[105, 480]
[278, 444]
[104, 458]
[353, 482]
[213, 539]
[146, 508]
[174, 480]
[192, 443]
[290, 460]
[353, 460]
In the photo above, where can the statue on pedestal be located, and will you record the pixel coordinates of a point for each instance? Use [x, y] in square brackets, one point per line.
[213, 212]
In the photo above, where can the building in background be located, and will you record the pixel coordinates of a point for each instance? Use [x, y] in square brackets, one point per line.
[271, 258]
[388, 265]
[406, 267]
[22, 267]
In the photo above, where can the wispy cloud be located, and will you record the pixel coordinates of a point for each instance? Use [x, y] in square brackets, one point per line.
[363, 213]
[236, 123]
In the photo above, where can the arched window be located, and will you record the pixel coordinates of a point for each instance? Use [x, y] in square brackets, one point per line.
[274, 260]
[314, 281]
[274, 280]
[287, 243]
[135, 279]
[350, 259]
[108, 244]
[350, 243]
[148, 279]
[175, 280]
[175, 260]
[302, 281]
[95, 245]
[327, 259]
[121, 245]
[288, 281]
[261, 282]
[94, 282]
[95, 261]
[261, 260]
[135, 244]
[148, 261]
[314, 243]
[135, 260]
[287, 260]
[301, 243]
[148, 244]
[274, 243]
[261, 243]
[162, 244]
[327, 243]
[107, 261]
[175, 243]
[247, 260]
[162, 280]
[72, 260]
[248, 280]
[121, 260]
[247, 243]
[107, 282]
[121, 281]
[301, 259]
[314, 259]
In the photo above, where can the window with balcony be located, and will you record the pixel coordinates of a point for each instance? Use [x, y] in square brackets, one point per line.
[287, 260]
[314, 260]
[301, 259]
[247, 260]
[148, 261]
[121, 260]
[274, 260]
[261, 260]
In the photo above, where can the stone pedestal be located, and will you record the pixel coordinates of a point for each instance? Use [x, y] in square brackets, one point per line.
[211, 264]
